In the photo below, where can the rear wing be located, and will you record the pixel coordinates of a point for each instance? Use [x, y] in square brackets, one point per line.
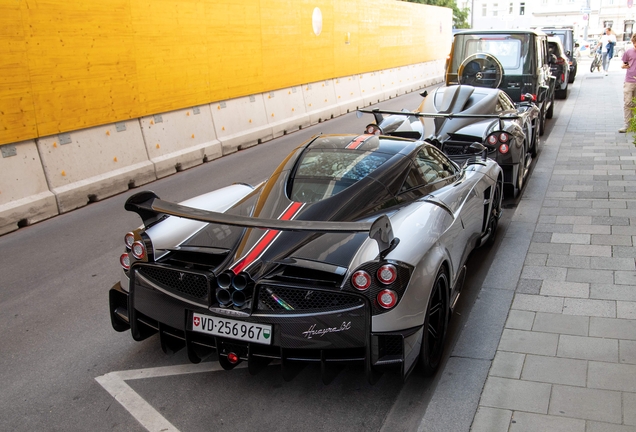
[377, 114]
[151, 208]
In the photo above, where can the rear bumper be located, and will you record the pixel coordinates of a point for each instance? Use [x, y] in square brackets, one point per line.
[331, 339]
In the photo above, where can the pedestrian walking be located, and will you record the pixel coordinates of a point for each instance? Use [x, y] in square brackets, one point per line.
[629, 86]
[607, 43]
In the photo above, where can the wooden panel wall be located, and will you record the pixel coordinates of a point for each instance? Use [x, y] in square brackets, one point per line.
[67, 65]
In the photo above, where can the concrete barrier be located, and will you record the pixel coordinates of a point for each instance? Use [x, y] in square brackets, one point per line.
[241, 123]
[180, 139]
[371, 88]
[320, 101]
[348, 93]
[91, 164]
[62, 172]
[285, 110]
[24, 193]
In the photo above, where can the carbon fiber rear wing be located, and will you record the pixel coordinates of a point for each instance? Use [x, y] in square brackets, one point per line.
[151, 208]
[377, 114]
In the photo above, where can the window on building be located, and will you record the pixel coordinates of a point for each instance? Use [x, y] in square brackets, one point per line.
[484, 9]
[512, 6]
[495, 6]
[522, 8]
[628, 29]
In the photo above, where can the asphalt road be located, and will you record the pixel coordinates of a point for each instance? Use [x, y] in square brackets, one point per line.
[56, 336]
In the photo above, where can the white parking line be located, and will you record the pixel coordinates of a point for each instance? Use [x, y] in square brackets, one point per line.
[114, 383]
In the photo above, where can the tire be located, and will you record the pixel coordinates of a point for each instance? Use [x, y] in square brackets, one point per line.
[562, 94]
[573, 74]
[520, 177]
[550, 112]
[592, 66]
[534, 142]
[495, 213]
[541, 122]
[435, 325]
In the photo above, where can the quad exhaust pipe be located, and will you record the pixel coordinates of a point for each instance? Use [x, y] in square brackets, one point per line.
[234, 290]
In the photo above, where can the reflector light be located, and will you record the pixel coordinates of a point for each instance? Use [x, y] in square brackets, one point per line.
[138, 250]
[124, 260]
[387, 274]
[232, 358]
[503, 149]
[534, 98]
[492, 140]
[361, 280]
[504, 137]
[129, 239]
[387, 298]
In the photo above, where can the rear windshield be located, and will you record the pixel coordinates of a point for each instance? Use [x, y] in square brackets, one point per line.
[323, 173]
[513, 51]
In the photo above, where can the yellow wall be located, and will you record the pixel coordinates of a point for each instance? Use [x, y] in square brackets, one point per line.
[71, 64]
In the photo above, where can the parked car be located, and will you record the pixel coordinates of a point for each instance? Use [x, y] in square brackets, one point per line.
[570, 46]
[621, 47]
[453, 118]
[516, 61]
[354, 250]
[559, 67]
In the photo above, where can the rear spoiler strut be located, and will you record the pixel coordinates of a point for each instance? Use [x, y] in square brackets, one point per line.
[150, 208]
[377, 113]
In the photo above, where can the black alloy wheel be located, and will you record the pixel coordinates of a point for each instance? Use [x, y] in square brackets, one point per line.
[435, 325]
[495, 213]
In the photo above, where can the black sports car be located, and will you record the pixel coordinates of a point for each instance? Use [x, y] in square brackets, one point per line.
[354, 250]
[453, 118]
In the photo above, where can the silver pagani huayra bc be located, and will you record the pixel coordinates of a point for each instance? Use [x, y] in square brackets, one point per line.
[354, 250]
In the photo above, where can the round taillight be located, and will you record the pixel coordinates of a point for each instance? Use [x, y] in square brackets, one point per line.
[129, 239]
[387, 298]
[387, 274]
[232, 358]
[503, 149]
[138, 250]
[124, 260]
[492, 140]
[504, 137]
[361, 280]
[373, 129]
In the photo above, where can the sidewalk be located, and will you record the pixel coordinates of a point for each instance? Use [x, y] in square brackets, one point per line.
[566, 360]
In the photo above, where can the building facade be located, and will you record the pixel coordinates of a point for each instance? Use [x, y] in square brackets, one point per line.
[587, 17]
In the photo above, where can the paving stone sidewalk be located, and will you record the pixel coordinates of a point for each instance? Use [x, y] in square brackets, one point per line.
[566, 360]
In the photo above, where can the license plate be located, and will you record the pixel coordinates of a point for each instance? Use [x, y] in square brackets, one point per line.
[233, 329]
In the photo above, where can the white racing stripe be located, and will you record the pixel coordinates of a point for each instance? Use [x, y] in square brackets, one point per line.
[115, 384]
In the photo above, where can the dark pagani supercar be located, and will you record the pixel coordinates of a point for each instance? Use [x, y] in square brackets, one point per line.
[354, 250]
[453, 118]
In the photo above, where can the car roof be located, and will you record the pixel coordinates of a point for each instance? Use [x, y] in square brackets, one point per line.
[517, 31]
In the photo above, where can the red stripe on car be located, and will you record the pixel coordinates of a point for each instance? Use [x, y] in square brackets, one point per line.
[266, 240]
[358, 141]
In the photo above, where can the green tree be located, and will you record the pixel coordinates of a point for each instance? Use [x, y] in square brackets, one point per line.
[460, 16]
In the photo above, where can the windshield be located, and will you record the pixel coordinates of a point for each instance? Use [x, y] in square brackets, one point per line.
[511, 50]
[322, 173]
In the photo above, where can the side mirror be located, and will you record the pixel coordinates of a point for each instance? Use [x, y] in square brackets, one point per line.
[576, 45]
[568, 53]
[424, 94]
